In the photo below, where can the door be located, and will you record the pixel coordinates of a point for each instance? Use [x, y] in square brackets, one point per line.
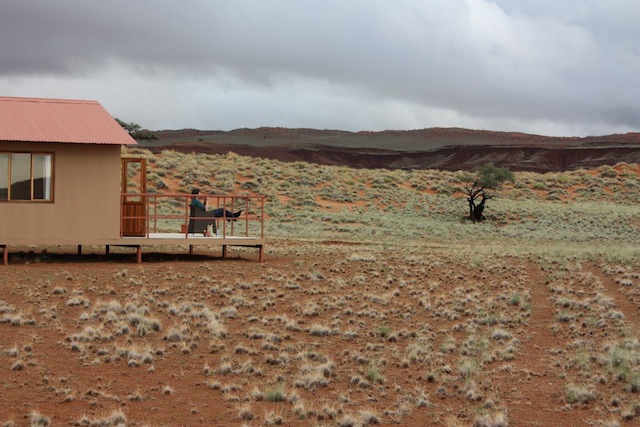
[134, 204]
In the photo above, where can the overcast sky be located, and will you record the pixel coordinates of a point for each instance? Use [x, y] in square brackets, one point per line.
[552, 67]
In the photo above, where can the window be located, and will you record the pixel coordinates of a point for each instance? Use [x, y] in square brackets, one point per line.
[26, 177]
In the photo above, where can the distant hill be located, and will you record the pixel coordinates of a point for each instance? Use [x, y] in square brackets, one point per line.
[433, 148]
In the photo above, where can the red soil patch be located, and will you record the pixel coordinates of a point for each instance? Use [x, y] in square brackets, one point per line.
[390, 310]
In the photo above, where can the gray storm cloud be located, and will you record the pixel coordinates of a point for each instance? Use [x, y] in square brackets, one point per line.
[549, 67]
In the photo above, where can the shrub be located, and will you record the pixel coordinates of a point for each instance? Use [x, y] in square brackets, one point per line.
[579, 394]
[274, 395]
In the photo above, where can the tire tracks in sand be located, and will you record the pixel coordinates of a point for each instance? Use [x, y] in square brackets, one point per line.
[533, 391]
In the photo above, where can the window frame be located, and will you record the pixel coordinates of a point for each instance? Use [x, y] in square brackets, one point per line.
[32, 155]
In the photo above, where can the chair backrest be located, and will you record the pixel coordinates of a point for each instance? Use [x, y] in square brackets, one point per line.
[199, 219]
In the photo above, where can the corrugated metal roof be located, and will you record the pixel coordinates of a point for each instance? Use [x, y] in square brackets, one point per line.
[59, 120]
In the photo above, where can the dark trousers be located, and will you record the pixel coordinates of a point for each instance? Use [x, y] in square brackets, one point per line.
[220, 212]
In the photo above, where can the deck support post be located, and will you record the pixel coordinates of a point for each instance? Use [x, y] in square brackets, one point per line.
[139, 254]
[261, 254]
[5, 255]
[79, 249]
[224, 251]
[190, 249]
[107, 250]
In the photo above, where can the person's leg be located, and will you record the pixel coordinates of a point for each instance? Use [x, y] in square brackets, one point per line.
[220, 212]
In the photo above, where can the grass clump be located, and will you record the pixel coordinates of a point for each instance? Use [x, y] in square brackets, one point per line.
[374, 375]
[580, 393]
[36, 419]
[275, 395]
[115, 419]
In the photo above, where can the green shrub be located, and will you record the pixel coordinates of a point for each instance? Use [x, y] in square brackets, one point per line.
[275, 395]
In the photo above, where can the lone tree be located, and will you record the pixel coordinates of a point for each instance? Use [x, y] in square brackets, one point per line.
[482, 185]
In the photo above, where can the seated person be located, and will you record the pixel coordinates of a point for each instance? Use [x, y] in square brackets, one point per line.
[217, 213]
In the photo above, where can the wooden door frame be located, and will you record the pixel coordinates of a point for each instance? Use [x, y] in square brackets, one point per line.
[135, 226]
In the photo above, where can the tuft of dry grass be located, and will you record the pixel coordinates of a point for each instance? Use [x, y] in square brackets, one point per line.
[36, 419]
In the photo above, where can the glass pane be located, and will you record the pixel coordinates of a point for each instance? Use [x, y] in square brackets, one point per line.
[134, 181]
[42, 176]
[20, 176]
[4, 176]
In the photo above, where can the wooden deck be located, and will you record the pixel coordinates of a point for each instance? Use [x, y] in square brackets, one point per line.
[237, 232]
[155, 239]
[170, 239]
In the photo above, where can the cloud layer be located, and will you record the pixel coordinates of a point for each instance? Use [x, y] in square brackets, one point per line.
[550, 67]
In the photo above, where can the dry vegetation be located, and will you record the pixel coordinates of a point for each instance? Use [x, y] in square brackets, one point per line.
[339, 203]
[377, 304]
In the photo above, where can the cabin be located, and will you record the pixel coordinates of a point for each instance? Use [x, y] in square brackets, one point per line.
[63, 181]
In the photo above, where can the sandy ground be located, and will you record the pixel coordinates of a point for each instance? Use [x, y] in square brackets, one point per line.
[319, 334]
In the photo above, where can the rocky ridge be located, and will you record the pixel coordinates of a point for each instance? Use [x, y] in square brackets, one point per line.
[433, 148]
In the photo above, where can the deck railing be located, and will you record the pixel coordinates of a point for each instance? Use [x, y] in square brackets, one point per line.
[146, 213]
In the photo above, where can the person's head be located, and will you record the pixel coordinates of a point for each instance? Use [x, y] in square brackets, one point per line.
[195, 191]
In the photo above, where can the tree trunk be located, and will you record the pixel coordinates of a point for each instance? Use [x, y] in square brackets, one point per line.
[478, 210]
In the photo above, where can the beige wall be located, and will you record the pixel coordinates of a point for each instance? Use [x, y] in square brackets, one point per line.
[86, 204]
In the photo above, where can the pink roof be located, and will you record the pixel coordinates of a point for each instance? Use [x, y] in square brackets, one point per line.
[59, 120]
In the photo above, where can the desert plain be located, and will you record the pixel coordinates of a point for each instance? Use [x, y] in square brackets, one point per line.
[377, 303]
